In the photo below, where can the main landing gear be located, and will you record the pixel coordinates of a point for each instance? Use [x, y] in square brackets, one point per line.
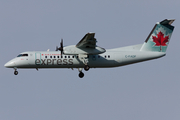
[86, 67]
[81, 74]
[84, 59]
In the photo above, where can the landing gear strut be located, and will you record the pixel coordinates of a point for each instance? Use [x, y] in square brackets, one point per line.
[84, 59]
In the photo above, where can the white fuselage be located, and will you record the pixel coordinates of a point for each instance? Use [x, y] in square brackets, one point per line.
[86, 54]
[110, 58]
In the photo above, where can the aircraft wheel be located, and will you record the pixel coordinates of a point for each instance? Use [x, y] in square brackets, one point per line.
[81, 74]
[86, 67]
[15, 72]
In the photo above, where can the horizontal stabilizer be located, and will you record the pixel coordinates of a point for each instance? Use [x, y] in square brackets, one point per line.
[166, 21]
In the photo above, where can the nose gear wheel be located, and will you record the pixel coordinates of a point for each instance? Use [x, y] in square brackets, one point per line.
[15, 72]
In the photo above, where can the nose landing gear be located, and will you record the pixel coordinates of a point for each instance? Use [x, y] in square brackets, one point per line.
[15, 71]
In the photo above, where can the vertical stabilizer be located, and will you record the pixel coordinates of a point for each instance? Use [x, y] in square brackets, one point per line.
[159, 37]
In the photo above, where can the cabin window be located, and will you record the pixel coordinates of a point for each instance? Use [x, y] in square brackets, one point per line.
[57, 56]
[54, 56]
[61, 56]
[108, 56]
[65, 56]
[45, 56]
[19, 55]
[105, 56]
[25, 55]
[98, 56]
[68, 56]
[72, 56]
[50, 56]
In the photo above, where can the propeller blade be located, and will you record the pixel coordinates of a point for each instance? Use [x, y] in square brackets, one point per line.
[61, 47]
[56, 48]
[61, 44]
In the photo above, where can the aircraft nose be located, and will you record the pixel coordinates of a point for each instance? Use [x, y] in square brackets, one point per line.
[10, 64]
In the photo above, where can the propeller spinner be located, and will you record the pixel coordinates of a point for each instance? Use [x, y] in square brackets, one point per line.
[61, 47]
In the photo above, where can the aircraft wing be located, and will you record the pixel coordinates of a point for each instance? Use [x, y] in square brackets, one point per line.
[88, 41]
[87, 45]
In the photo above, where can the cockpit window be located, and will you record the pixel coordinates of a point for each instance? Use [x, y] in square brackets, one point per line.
[22, 55]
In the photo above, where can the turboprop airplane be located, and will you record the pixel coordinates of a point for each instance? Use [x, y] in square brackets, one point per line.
[86, 54]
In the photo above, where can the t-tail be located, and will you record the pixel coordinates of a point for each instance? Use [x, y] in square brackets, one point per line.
[159, 37]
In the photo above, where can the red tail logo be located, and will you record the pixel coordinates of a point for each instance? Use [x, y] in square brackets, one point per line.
[160, 40]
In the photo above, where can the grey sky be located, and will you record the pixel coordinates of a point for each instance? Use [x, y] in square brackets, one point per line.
[143, 91]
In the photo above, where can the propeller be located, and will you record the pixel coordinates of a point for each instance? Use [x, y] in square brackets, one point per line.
[61, 47]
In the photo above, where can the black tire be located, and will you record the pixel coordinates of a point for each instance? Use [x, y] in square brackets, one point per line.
[81, 74]
[15, 72]
[86, 67]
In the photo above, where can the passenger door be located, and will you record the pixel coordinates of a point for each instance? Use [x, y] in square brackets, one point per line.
[37, 58]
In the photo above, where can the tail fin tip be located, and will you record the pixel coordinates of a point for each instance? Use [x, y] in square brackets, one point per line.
[167, 21]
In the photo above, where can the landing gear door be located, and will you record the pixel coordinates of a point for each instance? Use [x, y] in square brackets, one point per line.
[37, 58]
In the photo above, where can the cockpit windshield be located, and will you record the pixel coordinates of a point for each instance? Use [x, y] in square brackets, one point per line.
[22, 55]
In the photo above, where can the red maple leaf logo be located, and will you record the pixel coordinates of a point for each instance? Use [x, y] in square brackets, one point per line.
[160, 40]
